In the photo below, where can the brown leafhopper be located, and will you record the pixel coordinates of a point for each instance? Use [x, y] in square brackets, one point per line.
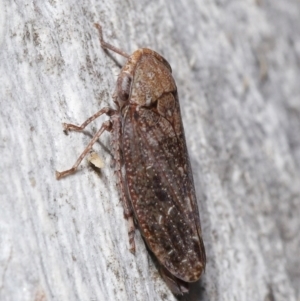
[154, 175]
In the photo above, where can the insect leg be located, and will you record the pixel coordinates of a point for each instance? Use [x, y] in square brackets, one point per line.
[72, 127]
[109, 46]
[106, 126]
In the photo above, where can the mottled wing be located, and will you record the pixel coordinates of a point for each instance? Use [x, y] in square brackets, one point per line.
[160, 186]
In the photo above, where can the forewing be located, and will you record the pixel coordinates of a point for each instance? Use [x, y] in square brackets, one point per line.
[161, 188]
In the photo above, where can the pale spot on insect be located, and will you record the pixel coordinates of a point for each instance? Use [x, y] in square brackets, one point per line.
[181, 170]
[184, 260]
[148, 99]
[160, 219]
[188, 203]
[170, 209]
[151, 140]
[150, 75]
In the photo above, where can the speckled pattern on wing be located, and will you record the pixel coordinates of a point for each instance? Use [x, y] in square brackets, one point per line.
[157, 169]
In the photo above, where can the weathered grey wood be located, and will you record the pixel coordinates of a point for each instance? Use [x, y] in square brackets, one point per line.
[237, 66]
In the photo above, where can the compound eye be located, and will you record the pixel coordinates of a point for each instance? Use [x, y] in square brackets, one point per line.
[124, 85]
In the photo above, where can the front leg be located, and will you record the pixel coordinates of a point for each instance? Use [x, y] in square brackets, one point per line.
[106, 126]
[72, 127]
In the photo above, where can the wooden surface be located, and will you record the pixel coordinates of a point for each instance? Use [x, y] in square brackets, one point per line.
[237, 67]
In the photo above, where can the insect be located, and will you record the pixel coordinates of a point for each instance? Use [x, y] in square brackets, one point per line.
[154, 175]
